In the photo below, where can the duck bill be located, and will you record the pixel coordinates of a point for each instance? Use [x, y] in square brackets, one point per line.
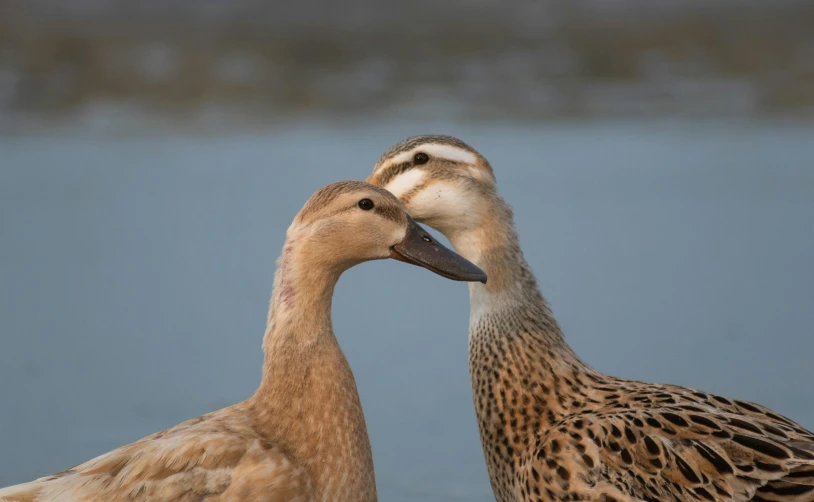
[419, 248]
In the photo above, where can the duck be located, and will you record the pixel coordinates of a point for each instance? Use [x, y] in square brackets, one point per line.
[301, 437]
[551, 426]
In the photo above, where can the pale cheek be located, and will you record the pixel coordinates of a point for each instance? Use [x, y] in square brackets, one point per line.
[443, 204]
[406, 182]
[397, 237]
[381, 242]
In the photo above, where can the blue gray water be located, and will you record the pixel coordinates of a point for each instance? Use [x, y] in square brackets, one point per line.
[135, 275]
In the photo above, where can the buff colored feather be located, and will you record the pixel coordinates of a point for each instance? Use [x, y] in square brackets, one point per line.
[301, 437]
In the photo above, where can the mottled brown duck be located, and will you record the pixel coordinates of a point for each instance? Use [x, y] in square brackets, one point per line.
[552, 427]
[302, 436]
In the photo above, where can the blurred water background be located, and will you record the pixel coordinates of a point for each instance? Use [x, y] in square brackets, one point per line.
[659, 157]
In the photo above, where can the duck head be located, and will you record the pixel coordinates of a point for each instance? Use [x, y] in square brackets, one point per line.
[441, 181]
[350, 222]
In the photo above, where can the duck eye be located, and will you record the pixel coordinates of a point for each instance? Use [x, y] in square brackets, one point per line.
[365, 204]
[421, 158]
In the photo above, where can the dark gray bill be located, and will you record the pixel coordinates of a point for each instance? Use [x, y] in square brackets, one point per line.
[420, 248]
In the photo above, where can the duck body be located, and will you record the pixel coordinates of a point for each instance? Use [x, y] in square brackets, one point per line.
[566, 432]
[315, 449]
[552, 427]
[219, 456]
[302, 436]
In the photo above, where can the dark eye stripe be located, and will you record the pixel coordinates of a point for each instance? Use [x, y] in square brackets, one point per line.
[411, 193]
[387, 211]
[390, 212]
[392, 171]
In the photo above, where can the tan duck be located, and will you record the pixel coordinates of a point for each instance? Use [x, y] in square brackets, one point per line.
[301, 437]
[553, 428]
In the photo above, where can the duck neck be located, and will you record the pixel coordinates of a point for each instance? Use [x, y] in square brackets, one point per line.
[493, 245]
[306, 378]
[300, 309]
[511, 324]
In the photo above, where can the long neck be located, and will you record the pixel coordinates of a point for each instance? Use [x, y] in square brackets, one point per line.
[307, 401]
[511, 324]
[492, 244]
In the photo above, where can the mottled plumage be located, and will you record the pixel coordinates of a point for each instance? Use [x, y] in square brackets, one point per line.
[552, 427]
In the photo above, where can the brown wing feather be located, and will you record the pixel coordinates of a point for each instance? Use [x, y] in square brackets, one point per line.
[673, 453]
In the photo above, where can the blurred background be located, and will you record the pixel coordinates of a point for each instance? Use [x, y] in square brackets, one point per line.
[246, 61]
[658, 155]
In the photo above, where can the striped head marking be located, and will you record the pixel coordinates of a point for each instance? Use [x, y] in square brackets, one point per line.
[437, 178]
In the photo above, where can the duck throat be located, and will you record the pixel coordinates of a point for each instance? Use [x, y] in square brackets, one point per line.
[300, 307]
[299, 330]
[307, 380]
[493, 245]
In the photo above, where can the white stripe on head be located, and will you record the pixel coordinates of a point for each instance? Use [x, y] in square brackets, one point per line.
[439, 151]
[405, 182]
